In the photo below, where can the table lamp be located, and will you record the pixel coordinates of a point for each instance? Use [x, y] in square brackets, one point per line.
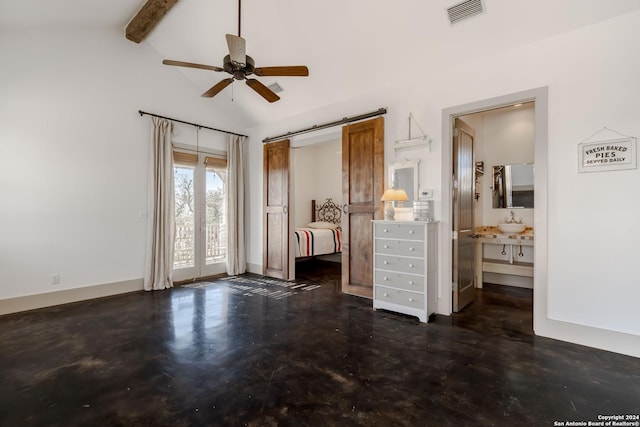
[392, 195]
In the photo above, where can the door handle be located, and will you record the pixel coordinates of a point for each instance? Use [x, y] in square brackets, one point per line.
[345, 208]
[285, 209]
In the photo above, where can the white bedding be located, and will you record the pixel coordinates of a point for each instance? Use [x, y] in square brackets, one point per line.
[318, 241]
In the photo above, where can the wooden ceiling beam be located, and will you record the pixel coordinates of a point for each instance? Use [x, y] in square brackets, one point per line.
[146, 19]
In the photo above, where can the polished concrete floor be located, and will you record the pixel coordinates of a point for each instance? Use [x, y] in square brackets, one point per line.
[254, 352]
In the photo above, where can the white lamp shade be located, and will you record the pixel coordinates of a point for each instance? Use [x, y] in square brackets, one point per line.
[393, 195]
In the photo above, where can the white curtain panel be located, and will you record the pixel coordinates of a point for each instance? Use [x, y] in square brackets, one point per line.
[236, 257]
[161, 231]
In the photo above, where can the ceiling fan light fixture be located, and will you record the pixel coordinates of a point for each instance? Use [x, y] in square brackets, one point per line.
[241, 66]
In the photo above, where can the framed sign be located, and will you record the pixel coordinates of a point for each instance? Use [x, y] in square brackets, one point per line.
[614, 154]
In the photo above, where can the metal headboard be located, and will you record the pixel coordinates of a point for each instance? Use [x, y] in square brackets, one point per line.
[327, 212]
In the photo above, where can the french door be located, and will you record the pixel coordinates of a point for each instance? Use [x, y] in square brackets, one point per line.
[200, 184]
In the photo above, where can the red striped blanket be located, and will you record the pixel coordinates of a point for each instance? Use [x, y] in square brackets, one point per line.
[318, 241]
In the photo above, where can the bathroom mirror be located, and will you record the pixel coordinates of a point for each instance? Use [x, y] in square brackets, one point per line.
[403, 174]
[512, 186]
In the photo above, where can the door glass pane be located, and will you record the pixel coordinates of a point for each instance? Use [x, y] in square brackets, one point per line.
[216, 229]
[184, 249]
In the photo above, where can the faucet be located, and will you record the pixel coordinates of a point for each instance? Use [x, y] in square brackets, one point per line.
[512, 220]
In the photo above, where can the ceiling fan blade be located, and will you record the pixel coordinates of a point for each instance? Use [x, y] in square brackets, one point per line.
[215, 89]
[293, 70]
[192, 65]
[264, 91]
[237, 49]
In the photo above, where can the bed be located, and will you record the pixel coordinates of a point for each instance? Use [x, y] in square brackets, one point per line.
[323, 235]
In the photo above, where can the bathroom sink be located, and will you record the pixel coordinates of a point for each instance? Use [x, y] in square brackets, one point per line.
[511, 228]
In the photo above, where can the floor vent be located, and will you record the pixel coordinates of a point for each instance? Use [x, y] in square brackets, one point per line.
[275, 87]
[465, 10]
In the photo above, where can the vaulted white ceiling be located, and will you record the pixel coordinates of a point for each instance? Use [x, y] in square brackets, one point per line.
[351, 47]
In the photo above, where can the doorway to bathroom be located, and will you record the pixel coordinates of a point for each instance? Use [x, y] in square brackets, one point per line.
[493, 164]
[508, 136]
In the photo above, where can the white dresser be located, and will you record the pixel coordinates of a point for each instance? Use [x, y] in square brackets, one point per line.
[405, 267]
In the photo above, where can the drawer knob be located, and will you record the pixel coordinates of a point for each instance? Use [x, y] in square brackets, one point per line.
[411, 300]
[385, 294]
[411, 282]
[385, 230]
[385, 279]
[385, 262]
[411, 249]
[411, 231]
[410, 265]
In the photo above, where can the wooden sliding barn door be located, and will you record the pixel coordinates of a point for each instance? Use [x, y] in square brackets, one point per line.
[275, 249]
[362, 188]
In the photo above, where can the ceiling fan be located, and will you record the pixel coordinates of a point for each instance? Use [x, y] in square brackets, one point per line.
[240, 66]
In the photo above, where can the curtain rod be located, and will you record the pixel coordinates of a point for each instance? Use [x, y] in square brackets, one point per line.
[189, 123]
[313, 128]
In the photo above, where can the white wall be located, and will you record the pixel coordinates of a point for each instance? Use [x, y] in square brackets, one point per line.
[302, 184]
[73, 155]
[509, 136]
[72, 199]
[476, 122]
[317, 173]
[589, 290]
[202, 139]
[502, 136]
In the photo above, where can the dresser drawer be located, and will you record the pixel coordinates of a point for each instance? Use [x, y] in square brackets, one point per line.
[399, 280]
[399, 247]
[400, 264]
[395, 296]
[399, 231]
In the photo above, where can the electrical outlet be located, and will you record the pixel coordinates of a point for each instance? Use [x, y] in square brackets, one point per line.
[55, 279]
[426, 193]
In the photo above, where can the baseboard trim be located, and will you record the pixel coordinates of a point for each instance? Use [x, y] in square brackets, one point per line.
[254, 268]
[48, 299]
[508, 280]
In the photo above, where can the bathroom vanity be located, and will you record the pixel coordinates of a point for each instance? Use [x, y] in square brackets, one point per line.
[511, 245]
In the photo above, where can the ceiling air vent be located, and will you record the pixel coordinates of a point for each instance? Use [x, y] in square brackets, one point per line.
[465, 10]
[275, 87]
